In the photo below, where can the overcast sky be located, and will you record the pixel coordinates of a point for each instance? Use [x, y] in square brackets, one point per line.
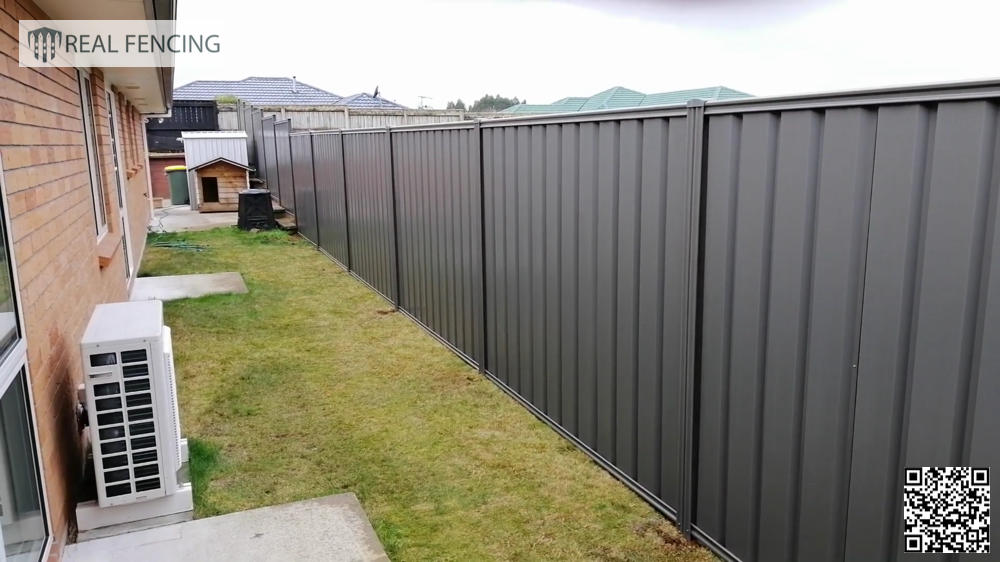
[542, 51]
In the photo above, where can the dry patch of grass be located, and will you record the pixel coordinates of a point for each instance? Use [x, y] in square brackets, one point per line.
[305, 387]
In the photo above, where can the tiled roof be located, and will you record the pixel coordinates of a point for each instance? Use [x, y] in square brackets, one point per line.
[366, 101]
[618, 98]
[682, 96]
[613, 98]
[257, 90]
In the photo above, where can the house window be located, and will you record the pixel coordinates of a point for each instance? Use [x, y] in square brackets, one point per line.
[23, 520]
[210, 189]
[93, 161]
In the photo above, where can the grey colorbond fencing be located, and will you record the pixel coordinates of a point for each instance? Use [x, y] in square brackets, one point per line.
[331, 197]
[440, 233]
[370, 208]
[286, 185]
[268, 154]
[755, 313]
[256, 154]
[246, 122]
[305, 188]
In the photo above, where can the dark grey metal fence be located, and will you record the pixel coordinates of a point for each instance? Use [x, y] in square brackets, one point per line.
[370, 206]
[440, 231]
[577, 323]
[286, 183]
[755, 313]
[305, 188]
[331, 197]
[268, 153]
[246, 119]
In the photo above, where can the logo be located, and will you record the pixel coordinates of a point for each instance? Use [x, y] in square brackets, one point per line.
[43, 43]
[110, 43]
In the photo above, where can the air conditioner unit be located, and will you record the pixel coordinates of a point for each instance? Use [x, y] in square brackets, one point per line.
[131, 393]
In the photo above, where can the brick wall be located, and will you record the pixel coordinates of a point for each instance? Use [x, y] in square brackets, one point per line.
[55, 245]
[161, 186]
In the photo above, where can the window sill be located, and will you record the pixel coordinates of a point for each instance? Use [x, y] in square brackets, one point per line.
[106, 248]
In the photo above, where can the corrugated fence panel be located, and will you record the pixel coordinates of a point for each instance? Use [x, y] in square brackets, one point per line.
[846, 288]
[305, 190]
[927, 382]
[786, 217]
[246, 119]
[282, 130]
[258, 142]
[331, 203]
[584, 269]
[438, 209]
[368, 173]
[270, 158]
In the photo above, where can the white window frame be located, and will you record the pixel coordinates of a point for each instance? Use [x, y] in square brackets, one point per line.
[117, 139]
[87, 109]
[14, 362]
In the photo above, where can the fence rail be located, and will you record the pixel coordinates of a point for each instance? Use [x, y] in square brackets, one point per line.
[754, 313]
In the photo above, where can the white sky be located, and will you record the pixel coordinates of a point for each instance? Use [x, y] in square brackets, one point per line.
[543, 51]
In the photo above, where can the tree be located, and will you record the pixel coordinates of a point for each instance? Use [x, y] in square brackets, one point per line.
[495, 103]
[458, 104]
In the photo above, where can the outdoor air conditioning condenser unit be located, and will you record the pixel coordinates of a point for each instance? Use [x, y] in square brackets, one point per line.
[139, 455]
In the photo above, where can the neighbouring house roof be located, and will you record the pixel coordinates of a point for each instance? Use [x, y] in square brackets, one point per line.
[258, 90]
[367, 101]
[619, 97]
[220, 160]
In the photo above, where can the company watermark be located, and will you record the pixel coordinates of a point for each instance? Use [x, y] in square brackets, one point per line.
[108, 43]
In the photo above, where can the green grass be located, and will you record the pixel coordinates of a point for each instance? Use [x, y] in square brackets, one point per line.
[202, 462]
[309, 385]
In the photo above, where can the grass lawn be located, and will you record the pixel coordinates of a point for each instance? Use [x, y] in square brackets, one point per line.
[310, 385]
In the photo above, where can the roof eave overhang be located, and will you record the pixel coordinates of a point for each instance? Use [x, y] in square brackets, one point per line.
[149, 89]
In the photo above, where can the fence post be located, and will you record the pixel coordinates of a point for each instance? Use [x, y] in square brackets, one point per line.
[347, 215]
[689, 351]
[395, 222]
[291, 166]
[312, 166]
[480, 283]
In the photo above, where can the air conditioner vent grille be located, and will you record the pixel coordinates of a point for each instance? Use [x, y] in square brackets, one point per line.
[137, 385]
[144, 485]
[134, 356]
[141, 370]
[125, 436]
[108, 404]
[118, 490]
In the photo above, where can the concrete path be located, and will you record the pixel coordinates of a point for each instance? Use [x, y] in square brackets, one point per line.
[173, 287]
[330, 528]
[180, 218]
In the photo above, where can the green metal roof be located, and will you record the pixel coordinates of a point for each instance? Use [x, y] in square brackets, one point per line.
[619, 97]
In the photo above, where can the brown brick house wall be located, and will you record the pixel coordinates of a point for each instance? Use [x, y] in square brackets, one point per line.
[55, 246]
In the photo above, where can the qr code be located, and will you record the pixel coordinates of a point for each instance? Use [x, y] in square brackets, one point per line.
[947, 509]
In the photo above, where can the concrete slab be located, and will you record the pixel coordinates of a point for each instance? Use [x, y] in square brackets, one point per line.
[329, 528]
[180, 218]
[173, 287]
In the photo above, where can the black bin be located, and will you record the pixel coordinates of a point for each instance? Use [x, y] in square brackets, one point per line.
[255, 210]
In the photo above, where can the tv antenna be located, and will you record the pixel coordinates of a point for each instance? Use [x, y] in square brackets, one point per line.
[423, 104]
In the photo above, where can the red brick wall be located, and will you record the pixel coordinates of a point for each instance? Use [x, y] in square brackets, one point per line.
[55, 246]
[161, 186]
